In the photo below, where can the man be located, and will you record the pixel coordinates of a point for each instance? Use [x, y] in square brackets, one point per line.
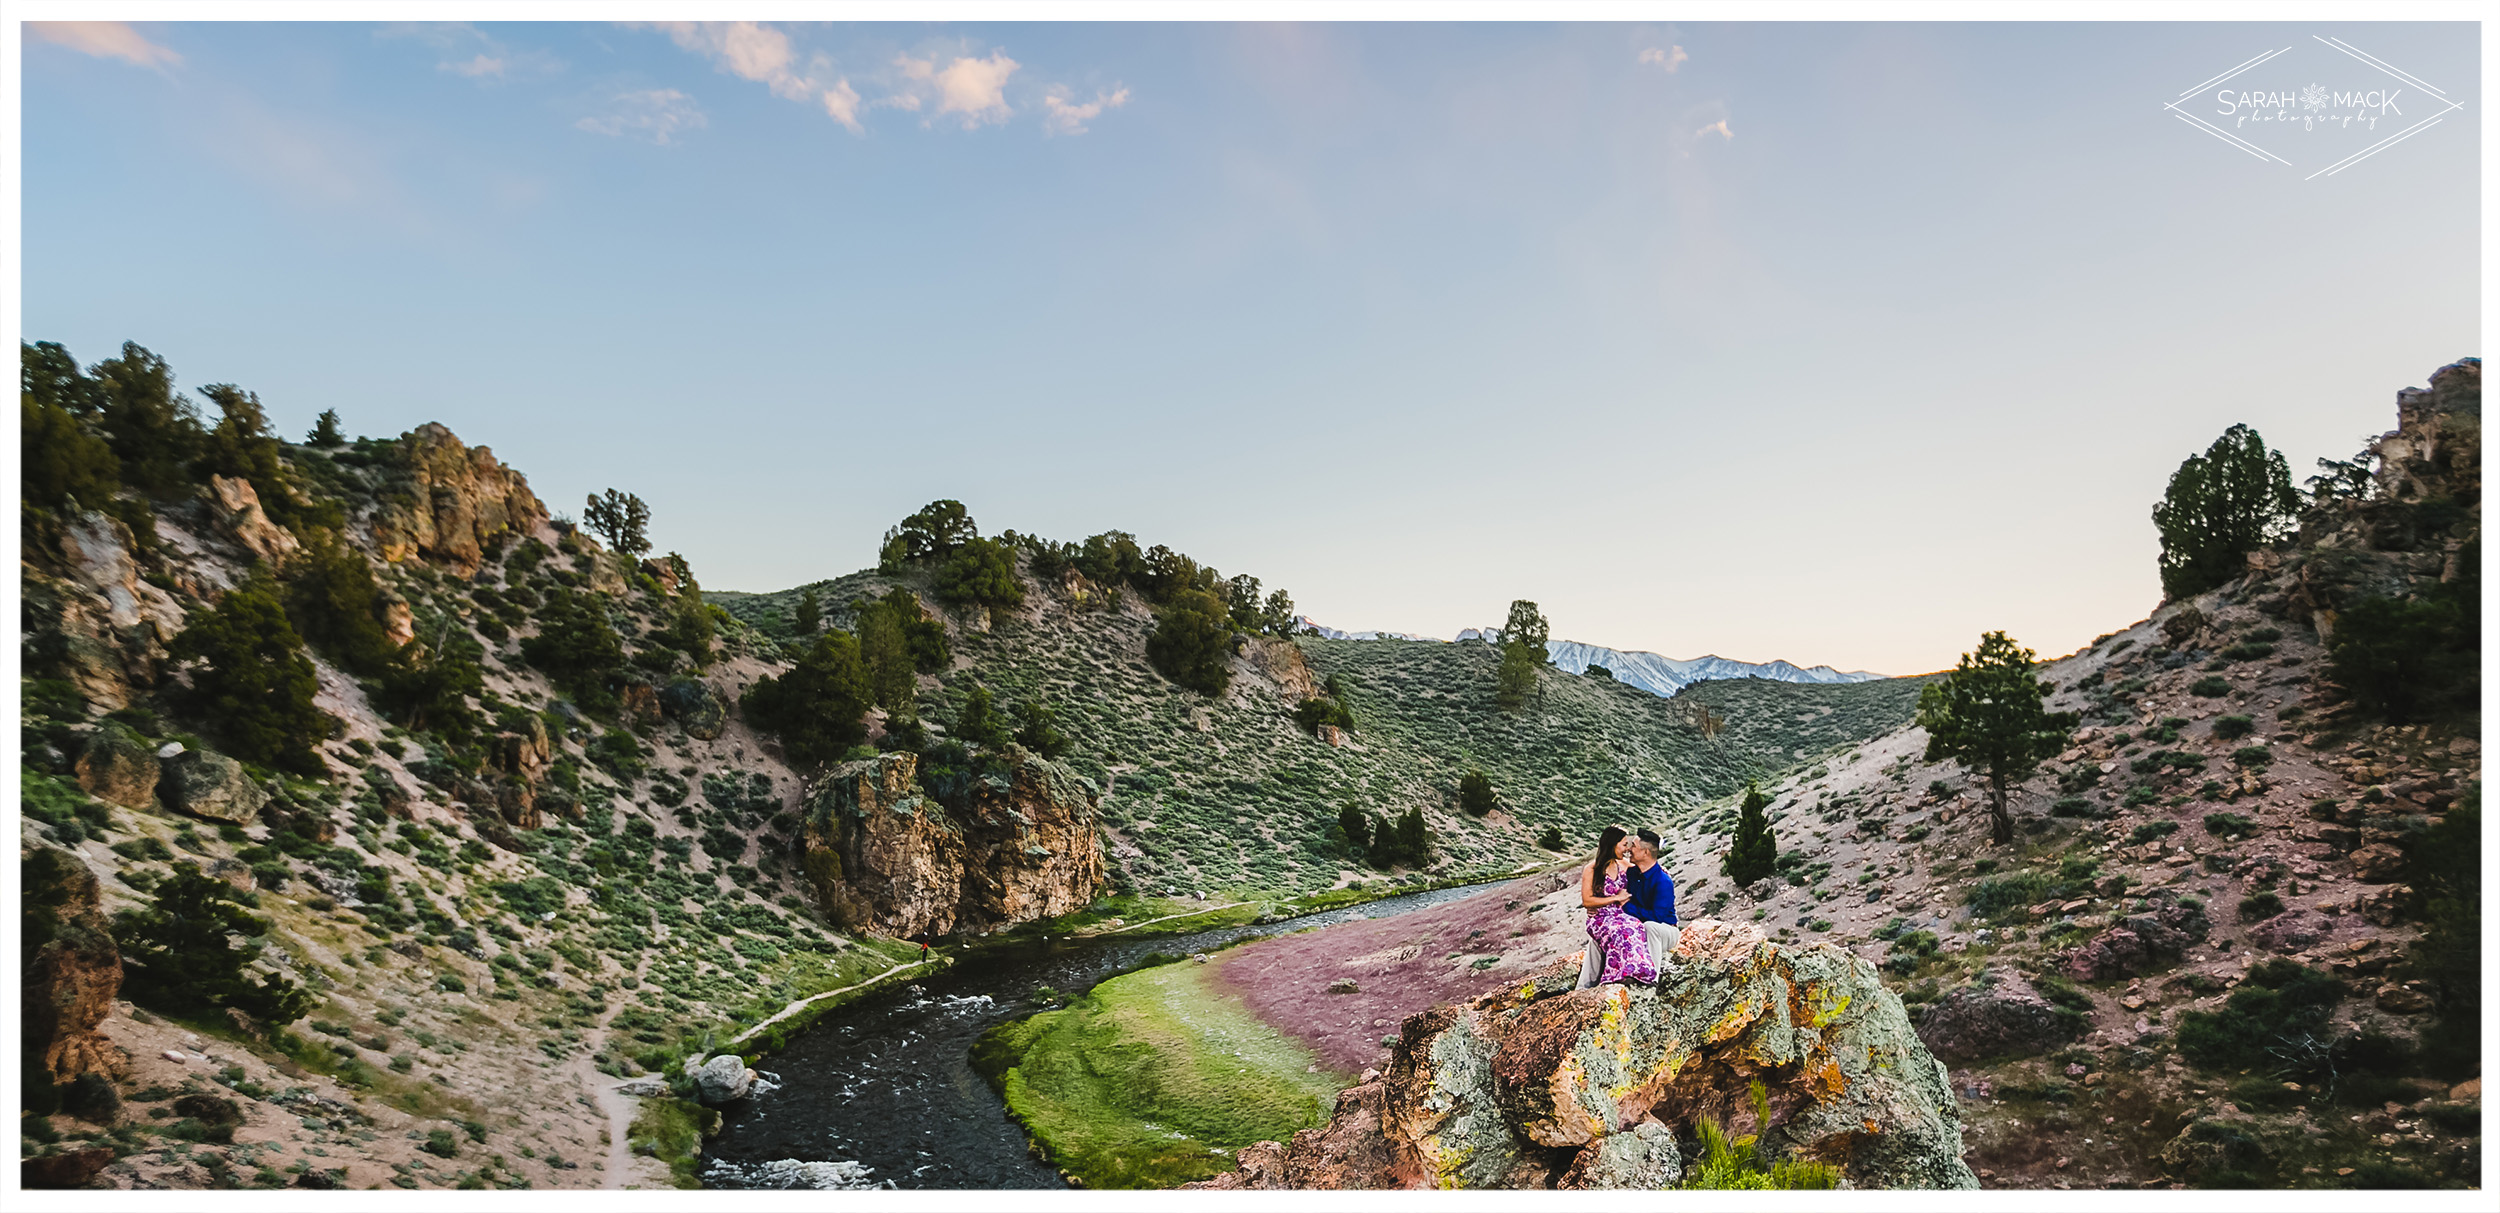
[1653, 902]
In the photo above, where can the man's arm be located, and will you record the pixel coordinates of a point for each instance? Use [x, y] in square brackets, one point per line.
[1666, 896]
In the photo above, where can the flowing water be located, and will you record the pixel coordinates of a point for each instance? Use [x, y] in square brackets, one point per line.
[882, 1094]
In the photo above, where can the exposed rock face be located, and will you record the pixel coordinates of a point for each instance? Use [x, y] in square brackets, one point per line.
[1280, 664]
[456, 500]
[697, 708]
[72, 969]
[210, 785]
[237, 507]
[1999, 1016]
[1540, 1085]
[2140, 943]
[2387, 544]
[118, 766]
[71, 1168]
[96, 548]
[883, 853]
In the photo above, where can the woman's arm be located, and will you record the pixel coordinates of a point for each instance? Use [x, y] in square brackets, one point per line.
[1589, 900]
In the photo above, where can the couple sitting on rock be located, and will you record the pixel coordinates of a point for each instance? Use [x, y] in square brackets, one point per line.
[1631, 904]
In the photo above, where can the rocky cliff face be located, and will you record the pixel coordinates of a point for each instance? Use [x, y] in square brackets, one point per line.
[1539, 1086]
[72, 970]
[882, 852]
[454, 501]
[2405, 530]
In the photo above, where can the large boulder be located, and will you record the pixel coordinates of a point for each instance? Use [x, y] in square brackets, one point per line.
[696, 707]
[1541, 1085]
[1011, 843]
[723, 1079]
[2000, 1015]
[458, 500]
[72, 969]
[237, 506]
[211, 785]
[119, 766]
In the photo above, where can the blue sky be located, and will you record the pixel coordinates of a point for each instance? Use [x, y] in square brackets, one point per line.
[1833, 343]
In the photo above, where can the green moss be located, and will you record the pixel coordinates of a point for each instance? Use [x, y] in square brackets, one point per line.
[1154, 1079]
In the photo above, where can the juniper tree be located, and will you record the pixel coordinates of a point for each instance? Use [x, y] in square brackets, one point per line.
[254, 687]
[620, 518]
[1356, 826]
[982, 571]
[1193, 642]
[1755, 852]
[1990, 715]
[1038, 729]
[180, 954]
[810, 614]
[2234, 499]
[1523, 654]
[978, 723]
[936, 529]
[815, 707]
[325, 431]
[1475, 793]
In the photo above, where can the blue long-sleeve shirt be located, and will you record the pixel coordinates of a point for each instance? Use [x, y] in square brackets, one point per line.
[1653, 894]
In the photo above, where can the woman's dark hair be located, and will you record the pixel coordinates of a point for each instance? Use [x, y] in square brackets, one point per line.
[1606, 843]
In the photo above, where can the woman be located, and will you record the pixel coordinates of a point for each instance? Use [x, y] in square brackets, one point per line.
[1622, 938]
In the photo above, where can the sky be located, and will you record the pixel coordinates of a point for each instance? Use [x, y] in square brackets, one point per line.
[1834, 343]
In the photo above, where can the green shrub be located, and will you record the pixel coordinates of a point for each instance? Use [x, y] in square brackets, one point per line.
[179, 958]
[254, 687]
[1475, 793]
[1193, 642]
[2229, 727]
[982, 571]
[2002, 895]
[2280, 1003]
[2246, 651]
[2151, 830]
[2260, 906]
[2415, 658]
[2229, 825]
[2140, 794]
[441, 1143]
[2211, 686]
[1551, 839]
[2252, 756]
[2074, 806]
[577, 649]
[816, 708]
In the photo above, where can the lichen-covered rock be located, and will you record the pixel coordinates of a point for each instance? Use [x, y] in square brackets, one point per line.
[1017, 845]
[2000, 1015]
[2289, 931]
[450, 501]
[1535, 1087]
[696, 707]
[1644, 1159]
[71, 971]
[210, 785]
[118, 766]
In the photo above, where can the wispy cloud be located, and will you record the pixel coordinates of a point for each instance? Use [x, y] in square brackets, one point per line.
[1718, 128]
[656, 115]
[752, 51]
[106, 40]
[1061, 116]
[471, 52]
[1669, 58]
[976, 89]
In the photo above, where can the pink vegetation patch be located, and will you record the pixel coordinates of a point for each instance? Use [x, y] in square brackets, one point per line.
[1402, 965]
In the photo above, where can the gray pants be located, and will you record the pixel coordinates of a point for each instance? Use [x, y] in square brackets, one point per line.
[1663, 936]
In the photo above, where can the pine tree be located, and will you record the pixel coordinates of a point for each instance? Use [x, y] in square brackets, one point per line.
[1475, 793]
[620, 518]
[1755, 852]
[1523, 654]
[180, 956]
[1989, 714]
[978, 723]
[1038, 729]
[811, 613]
[816, 707]
[325, 431]
[2234, 499]
[254, 687]
[1357, 827]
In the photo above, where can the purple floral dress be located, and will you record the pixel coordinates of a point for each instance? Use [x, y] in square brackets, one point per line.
[1625, 940]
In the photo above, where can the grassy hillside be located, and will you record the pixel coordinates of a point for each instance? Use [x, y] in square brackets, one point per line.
[1228, 796]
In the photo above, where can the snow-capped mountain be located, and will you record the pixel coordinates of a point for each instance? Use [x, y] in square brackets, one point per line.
[1662, 676]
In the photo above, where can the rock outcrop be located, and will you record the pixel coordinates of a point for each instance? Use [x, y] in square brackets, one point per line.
[2423, 505]
[1017, 844]
[1541, 1086]
[118, 766]
[454, 501]
[237, 508]
[210, 785]
[696, 707]
[2000, 1015]
[72, 969]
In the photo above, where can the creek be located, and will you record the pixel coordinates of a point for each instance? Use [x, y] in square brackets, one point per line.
[881, 1092]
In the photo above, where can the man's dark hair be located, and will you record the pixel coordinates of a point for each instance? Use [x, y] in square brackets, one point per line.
[1648, 836]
